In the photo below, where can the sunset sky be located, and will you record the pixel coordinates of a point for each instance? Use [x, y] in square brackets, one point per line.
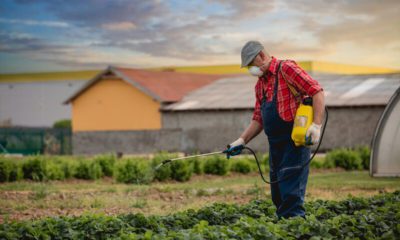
[58, 35]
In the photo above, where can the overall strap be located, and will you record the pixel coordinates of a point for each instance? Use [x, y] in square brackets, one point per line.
[276, 82]
[293, 90]
[264, 99]
[296, 94]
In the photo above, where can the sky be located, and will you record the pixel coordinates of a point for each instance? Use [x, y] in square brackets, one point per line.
[58, 35]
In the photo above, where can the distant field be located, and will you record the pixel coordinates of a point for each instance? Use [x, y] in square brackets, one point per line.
[309, 66]
[218, 69]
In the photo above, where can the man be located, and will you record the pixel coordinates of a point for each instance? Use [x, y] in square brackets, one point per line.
[275, 109]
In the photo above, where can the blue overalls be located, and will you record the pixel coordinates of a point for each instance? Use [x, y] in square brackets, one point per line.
[284, 159]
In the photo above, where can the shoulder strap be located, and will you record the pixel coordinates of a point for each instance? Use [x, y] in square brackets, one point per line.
[291, 88]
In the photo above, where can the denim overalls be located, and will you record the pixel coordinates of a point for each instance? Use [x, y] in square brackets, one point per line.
[284, 158]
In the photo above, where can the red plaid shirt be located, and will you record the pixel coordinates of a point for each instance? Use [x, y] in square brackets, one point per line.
[287, 104]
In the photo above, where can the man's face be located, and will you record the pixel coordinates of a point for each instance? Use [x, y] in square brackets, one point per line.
[258, 61]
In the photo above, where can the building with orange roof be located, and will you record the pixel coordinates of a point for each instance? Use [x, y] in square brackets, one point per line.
[130, 99]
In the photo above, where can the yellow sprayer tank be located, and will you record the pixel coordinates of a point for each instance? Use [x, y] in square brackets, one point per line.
[302, 121]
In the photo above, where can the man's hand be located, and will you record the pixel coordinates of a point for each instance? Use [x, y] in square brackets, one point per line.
[239, 141]
[313, 134]
[235, 148]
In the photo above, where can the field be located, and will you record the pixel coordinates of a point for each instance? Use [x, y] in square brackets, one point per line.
[25, 200]
[103, 197]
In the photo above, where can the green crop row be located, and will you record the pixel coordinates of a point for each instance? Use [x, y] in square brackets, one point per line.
[140, 170]
[126, 170]
[354, 218]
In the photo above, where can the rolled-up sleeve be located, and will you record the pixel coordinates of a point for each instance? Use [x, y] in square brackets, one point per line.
[299, 78]
[257, 107]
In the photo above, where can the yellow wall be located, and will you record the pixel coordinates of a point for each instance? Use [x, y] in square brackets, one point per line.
[112, 104]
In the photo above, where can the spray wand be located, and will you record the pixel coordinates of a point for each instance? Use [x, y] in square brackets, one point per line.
[241, 147]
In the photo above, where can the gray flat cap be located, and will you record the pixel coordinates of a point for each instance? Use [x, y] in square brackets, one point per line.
[250, 51]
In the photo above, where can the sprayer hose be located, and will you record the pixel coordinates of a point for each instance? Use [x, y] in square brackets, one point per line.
[303, 166]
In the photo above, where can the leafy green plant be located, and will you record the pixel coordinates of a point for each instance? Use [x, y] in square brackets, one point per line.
[344, 158]
[241, 166]
[197, 166]
[64, 123]
[181, 170]
[88, 169]
[164, 172]
[318, 162]
[15, 173]
[5, 169]
[133, 171]
[54, 170]
[68, 166]
[353, 218]
[106, 163]
[365, 154]
[216, 165]
[34, 168]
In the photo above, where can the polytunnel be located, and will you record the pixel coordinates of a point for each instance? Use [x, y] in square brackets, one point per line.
[385, 154]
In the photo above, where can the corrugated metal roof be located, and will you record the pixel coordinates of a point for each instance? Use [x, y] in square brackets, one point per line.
[340, 90]
[162, 86]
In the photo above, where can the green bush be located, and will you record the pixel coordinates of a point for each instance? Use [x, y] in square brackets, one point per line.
[64, 123]
[365, 154]
[69, 167]
[15, 172]
[265, 159]
[54, 170]
[106, 163]
[344, 158]
[5, 169]
[181, 170]
[133, 171]
[10, 170]
[88, 169]
[317, 162]
[216, 165]
[163, 173]
[241, 165]
[197, 166]
[34, 168]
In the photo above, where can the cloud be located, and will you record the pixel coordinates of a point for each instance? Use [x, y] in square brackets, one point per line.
[369, 23]
[15, 42]
[247, 9]
[119, 26]
[95, 13]
[34, 22]
[154, 29]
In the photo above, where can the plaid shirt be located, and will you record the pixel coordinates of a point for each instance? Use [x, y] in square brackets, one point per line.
[287, 104]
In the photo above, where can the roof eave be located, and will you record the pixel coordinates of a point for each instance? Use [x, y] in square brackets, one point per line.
[87, 85]
[119, 74]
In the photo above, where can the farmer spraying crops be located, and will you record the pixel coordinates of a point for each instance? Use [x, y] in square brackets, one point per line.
[281, 87]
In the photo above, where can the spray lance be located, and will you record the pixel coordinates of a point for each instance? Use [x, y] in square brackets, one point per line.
[303, 120]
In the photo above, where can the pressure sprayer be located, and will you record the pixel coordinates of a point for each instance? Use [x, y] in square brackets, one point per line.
[303, 120]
